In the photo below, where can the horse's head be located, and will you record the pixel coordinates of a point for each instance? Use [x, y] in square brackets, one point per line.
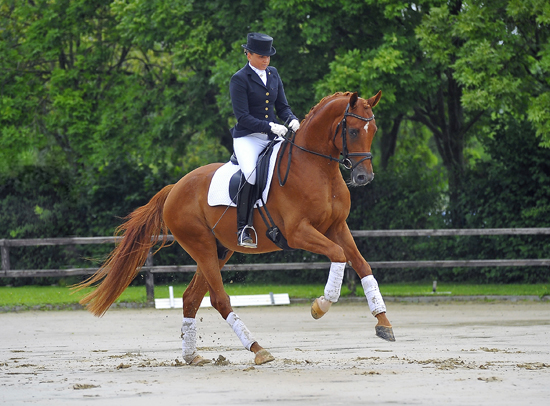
[348, 124]
[353, 137]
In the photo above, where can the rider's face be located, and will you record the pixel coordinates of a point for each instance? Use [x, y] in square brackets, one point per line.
[260, 62]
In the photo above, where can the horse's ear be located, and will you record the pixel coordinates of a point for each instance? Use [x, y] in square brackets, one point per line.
[353, 99]
[373, 101]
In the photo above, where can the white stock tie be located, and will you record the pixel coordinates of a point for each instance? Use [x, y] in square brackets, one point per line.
[263, 77]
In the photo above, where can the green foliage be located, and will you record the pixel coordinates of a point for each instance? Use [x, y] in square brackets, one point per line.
[500, 54]
[77, 88]
[407, 195]
[104, 102]
[401, 199]
[512, 190]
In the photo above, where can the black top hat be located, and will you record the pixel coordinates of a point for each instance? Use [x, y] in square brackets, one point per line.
[260, 44]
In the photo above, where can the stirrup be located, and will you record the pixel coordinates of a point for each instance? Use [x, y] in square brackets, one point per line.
[241, 243]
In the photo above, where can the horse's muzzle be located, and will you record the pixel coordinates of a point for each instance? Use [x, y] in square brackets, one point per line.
[361, 178]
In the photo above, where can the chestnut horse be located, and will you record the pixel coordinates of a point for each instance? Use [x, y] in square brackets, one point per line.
[310, 209]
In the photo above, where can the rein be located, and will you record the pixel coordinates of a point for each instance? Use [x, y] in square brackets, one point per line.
[345, 160]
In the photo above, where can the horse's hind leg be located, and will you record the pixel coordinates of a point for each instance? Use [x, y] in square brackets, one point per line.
[220, 301]
[208, 278]
[192, 299]
[193, 295]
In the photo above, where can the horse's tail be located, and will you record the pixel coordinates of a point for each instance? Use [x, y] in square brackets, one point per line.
[141, 231]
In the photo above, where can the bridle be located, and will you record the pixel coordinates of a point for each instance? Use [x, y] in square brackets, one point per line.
[345, 160]
[345, 153]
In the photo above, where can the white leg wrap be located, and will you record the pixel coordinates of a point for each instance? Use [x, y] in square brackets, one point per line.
[334, 282]
[240, 329]
[374, 298]
[189, 339]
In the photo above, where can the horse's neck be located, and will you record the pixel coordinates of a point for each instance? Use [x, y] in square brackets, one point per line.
[317, 135]
[317, 161]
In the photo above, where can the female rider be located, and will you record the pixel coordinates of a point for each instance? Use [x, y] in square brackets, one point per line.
[257, 93]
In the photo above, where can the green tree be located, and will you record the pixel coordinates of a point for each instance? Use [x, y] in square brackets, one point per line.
[104, 101]
[448, 65]
[494, 56]
[75, 86]
[504, 62]
[511, 190]
[108, 115]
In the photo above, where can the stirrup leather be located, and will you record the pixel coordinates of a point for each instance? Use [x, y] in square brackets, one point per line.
[242, 243]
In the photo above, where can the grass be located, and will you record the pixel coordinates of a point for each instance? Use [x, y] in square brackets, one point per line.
[56, 295]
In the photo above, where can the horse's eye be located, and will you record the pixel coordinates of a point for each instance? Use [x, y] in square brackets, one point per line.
[353, 132]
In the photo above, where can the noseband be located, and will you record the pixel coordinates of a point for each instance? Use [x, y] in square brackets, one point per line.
[345, 160]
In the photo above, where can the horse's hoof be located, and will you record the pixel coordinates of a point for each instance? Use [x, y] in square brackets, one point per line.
[385, 332]
[319, 307]
[199, 361]
[263, 356]
[316, 311]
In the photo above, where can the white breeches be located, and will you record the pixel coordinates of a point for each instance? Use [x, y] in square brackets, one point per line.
[247, 150]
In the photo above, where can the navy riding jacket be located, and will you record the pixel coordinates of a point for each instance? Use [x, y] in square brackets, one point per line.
[255, 104]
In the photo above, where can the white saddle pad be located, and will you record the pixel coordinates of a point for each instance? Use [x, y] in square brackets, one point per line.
[218, 193]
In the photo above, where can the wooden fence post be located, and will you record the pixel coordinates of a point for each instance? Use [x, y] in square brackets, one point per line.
[5, 251]
[149, 279]
[351, 279]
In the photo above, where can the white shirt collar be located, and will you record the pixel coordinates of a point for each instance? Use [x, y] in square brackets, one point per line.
[260, 73]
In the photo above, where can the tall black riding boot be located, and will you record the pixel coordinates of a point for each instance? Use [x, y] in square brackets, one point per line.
[245, 208]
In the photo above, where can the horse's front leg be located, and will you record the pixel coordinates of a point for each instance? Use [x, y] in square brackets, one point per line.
[343, 237]
[306, 237]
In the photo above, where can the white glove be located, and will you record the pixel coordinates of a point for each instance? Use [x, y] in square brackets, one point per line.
[278, 129]
[294, 125]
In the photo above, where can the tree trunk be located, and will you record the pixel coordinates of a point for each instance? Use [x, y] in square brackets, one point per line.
[389, 140]
[444, 116]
